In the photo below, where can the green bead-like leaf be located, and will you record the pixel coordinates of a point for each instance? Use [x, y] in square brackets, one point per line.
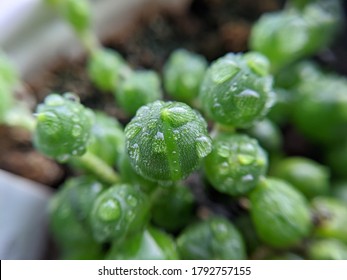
[105, 67]
[320, 110]
[63, 127]
[173, 207]
[82, 192]
[307, 176]
[235, 164]
[183, 74]
[119, 211]
[288, 35]
[77, 13]
[213, 239]
[107, 139]
[138, 89]
[331, 215]
[280, 213]
[237, 89]
[150, 244]
[166, 141]
[68, 216]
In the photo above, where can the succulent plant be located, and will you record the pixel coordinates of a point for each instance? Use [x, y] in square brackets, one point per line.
[166, 141]
[237, 89]
[235, 164]
[63, 127]
[281, 214]
[215, 239]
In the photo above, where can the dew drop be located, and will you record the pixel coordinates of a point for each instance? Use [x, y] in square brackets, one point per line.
[224, 168]
[75, 119]
[76, 130]
[245, 159]
[247, 178]
[130, 215]
[233, 87]
[159, 146]
[132, 130]
[109, 210]
[220, 231]
[226, 184]
[203, 146]
[223, 69]
[134, 152]
[132, 201]
[63, 158]
[54, 100]
[249, 94]
[223, 151]
[159, 136]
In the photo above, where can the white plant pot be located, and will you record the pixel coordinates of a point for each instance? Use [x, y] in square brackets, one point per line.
[23, 217]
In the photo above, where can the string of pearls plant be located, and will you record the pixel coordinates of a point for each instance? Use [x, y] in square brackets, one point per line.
[222, 128]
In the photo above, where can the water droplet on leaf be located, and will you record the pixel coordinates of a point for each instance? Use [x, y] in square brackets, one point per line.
[203, 146]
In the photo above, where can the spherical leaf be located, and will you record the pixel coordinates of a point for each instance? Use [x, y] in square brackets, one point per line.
[320, 110]
[173, 207]
[213, 239]
[280, 213]
[235, 164]
[150, 244]
[105, 66]
[107, 138]
[166, 141]
[183, 74]
[72, 235]
[139, 88]
[120, 210]
[63, 127]
[307, 176]
[77, 13]
[237, 90]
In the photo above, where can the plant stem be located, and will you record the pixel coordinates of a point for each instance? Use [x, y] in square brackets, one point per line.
[89, 41]
[21, 117]
[99, 168]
